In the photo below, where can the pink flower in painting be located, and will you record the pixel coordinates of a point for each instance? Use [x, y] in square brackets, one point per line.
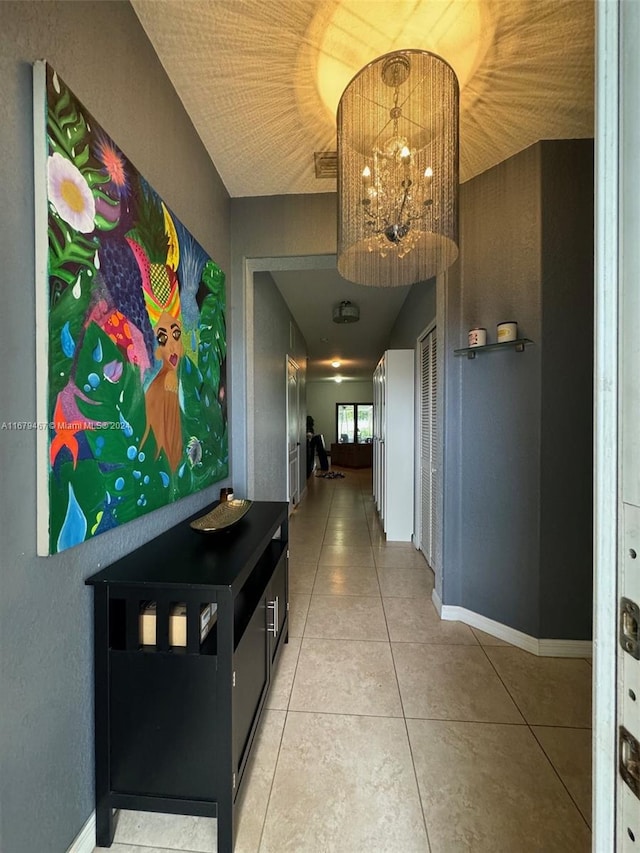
[69, 193]
[113, 162]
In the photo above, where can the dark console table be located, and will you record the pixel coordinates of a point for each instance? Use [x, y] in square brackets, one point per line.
[174, 725]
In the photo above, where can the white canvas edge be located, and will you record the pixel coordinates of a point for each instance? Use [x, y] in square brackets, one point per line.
[42, 305]
[533, 645]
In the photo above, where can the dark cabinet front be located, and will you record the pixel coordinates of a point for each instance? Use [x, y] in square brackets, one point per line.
[250, 683]
[176, 716]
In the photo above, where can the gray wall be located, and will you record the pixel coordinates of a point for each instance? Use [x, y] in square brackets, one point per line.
[417, 312]
[566, 476]
[276, 336]
[283, 228]
[46, 686]
[508, 416]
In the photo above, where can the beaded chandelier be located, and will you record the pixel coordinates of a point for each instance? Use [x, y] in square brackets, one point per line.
[398, 170]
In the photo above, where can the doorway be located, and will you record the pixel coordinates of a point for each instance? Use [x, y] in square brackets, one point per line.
[293, 432]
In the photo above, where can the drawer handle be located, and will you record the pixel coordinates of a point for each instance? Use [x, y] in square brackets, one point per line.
[273, 606]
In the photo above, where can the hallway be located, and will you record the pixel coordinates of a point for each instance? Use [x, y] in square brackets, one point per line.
[389, 730]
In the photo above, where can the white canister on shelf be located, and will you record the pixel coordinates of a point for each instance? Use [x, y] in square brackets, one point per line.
[507, 331]
[477, 337]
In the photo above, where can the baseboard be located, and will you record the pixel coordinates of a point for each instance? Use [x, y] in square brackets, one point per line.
[437, 602]
[85, 840]
[542, 648]
[566, 648]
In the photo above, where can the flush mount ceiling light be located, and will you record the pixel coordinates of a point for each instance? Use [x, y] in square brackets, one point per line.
[335, 363]
[398, 170]
[346, 312]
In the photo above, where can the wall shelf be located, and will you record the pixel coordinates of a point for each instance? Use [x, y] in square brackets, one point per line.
[517, 345]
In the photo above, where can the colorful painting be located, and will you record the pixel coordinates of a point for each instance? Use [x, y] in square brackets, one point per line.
[131, 335]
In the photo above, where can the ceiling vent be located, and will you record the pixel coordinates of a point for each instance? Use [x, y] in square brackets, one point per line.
[326, 163]
[346, 312]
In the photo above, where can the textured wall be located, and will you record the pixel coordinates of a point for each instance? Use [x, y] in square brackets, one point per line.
[272, 343]
[500, 412]
[417, 312]
[510, 416]
[285, 228]
[46, 687]
[566, 474]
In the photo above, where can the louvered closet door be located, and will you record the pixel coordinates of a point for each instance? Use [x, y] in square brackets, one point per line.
[428, 446]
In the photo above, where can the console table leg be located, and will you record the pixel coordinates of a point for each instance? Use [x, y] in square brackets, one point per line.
[104, 826]
[225, 826]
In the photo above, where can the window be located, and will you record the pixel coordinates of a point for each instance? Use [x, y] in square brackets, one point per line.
[354, 423]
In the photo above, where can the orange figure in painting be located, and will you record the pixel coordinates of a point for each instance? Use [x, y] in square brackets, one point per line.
[161, 397]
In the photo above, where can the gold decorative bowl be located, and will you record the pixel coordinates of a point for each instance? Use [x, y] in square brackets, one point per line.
[222, 516]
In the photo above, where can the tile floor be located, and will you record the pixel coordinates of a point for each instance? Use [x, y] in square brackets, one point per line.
[388, 730]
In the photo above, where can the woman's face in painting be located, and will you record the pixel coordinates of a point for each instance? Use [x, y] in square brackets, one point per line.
[168, 332]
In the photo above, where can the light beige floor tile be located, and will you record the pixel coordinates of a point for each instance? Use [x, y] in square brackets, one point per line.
[305, 552]
[280, 689]
[308, 508]
[346, 617]
[345, 555]
[298, 609]
[346, 677]
[350, 497]
[314, 512]
[347, 510]
[569, 750]
[405, 583]
[401, 558]
[301, 575]
[377, 539]
[313, 505]
[346, 580]
[548, 691]
[416, 621]
[489, 789]
[451, 683]
[175, 832]
[344, 784]
[356, 525]
[131, 848]
[357, 538]
[257, 782]
[348, 514]
[306, 538]
[488, 640]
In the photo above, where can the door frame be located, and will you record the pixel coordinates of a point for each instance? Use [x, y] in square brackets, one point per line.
[606, 397]
[291, 362]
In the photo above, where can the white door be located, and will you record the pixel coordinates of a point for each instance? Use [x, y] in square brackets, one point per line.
[628, 341]
[428, 437]
[293, 432]
[616, 750]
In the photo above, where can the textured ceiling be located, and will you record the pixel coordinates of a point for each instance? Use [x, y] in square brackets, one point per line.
[261, 82]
